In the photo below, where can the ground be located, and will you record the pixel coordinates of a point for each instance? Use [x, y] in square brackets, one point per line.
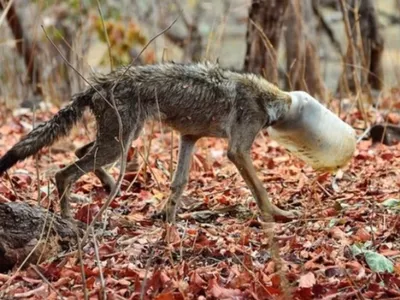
[346, 245]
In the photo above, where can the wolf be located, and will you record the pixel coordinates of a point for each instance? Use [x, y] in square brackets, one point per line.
[197, 100]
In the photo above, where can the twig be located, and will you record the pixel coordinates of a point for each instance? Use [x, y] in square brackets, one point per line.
[224, 20]
[5, 11]
[182, 15]
[36, 159]
[35, 268]
[365, 133]
[30, 293]
[4, 199]
[323, 189]
[135, 178]
[105, 34]
[96, 252]
[267, 43]
[353, 285]
[12, 184]
[351, 54]
[144, 282]
[73, 68]
[328, 30]
[48, 231]
[182, 239]
[252, 275]
[85, 291]
[146, 164]
[171, 157]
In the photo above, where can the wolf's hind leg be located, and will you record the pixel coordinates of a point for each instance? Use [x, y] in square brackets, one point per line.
[106, 179]
[105, 150]
[181, 176]
[101, 154]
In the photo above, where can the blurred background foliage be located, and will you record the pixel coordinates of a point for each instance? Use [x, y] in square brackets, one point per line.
[307, 40]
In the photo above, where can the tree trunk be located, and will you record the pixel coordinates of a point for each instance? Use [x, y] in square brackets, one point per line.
[25, 229]
[264, 28]
[373, 43]
[302, 59]
[25, 49]
[369, 42]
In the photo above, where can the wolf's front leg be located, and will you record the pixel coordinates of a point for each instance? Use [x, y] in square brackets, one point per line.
[240, 143]
[245, 166]
[181, 176]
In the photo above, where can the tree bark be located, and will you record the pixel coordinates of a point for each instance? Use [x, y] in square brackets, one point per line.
[264, 28]
[373, 43]
[302, 59]
[25, 49]
[364, 26]
[25, 229]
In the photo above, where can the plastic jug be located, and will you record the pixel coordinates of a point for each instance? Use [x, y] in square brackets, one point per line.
[315, 134]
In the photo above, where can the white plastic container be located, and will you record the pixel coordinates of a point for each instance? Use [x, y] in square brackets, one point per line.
[315, 134]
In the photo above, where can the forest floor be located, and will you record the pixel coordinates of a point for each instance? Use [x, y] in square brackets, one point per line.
[346, 245]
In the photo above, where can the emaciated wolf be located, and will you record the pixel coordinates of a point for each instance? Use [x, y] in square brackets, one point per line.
[197, 100]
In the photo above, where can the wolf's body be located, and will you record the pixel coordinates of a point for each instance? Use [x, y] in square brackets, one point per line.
[197, 100]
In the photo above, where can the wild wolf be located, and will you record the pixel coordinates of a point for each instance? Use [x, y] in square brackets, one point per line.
[197, 100]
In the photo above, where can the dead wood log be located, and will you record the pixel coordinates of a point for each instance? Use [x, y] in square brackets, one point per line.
[25, 229]
[387, 134]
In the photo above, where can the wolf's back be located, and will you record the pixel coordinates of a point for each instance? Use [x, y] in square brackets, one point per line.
[47, 133]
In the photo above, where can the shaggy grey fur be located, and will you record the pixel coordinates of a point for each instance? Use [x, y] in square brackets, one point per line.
[197, 100]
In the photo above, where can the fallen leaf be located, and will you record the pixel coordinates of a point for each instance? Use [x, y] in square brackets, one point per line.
[307, 280]
[362, 235]
[86, 213]
[377, 262]
[222, 293]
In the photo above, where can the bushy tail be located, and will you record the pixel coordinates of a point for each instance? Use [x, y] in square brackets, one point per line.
[47, 133]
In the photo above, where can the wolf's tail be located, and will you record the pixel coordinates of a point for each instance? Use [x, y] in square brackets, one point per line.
[47, 133]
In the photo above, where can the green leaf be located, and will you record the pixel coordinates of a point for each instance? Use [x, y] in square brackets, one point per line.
[332, 222]
[392, 203]
[377, 262]
[356, 250]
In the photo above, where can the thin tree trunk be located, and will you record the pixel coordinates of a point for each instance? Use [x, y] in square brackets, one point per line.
[366, 37]
[373, 43]
[266, 18]
[302, 59]
[25, 49]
